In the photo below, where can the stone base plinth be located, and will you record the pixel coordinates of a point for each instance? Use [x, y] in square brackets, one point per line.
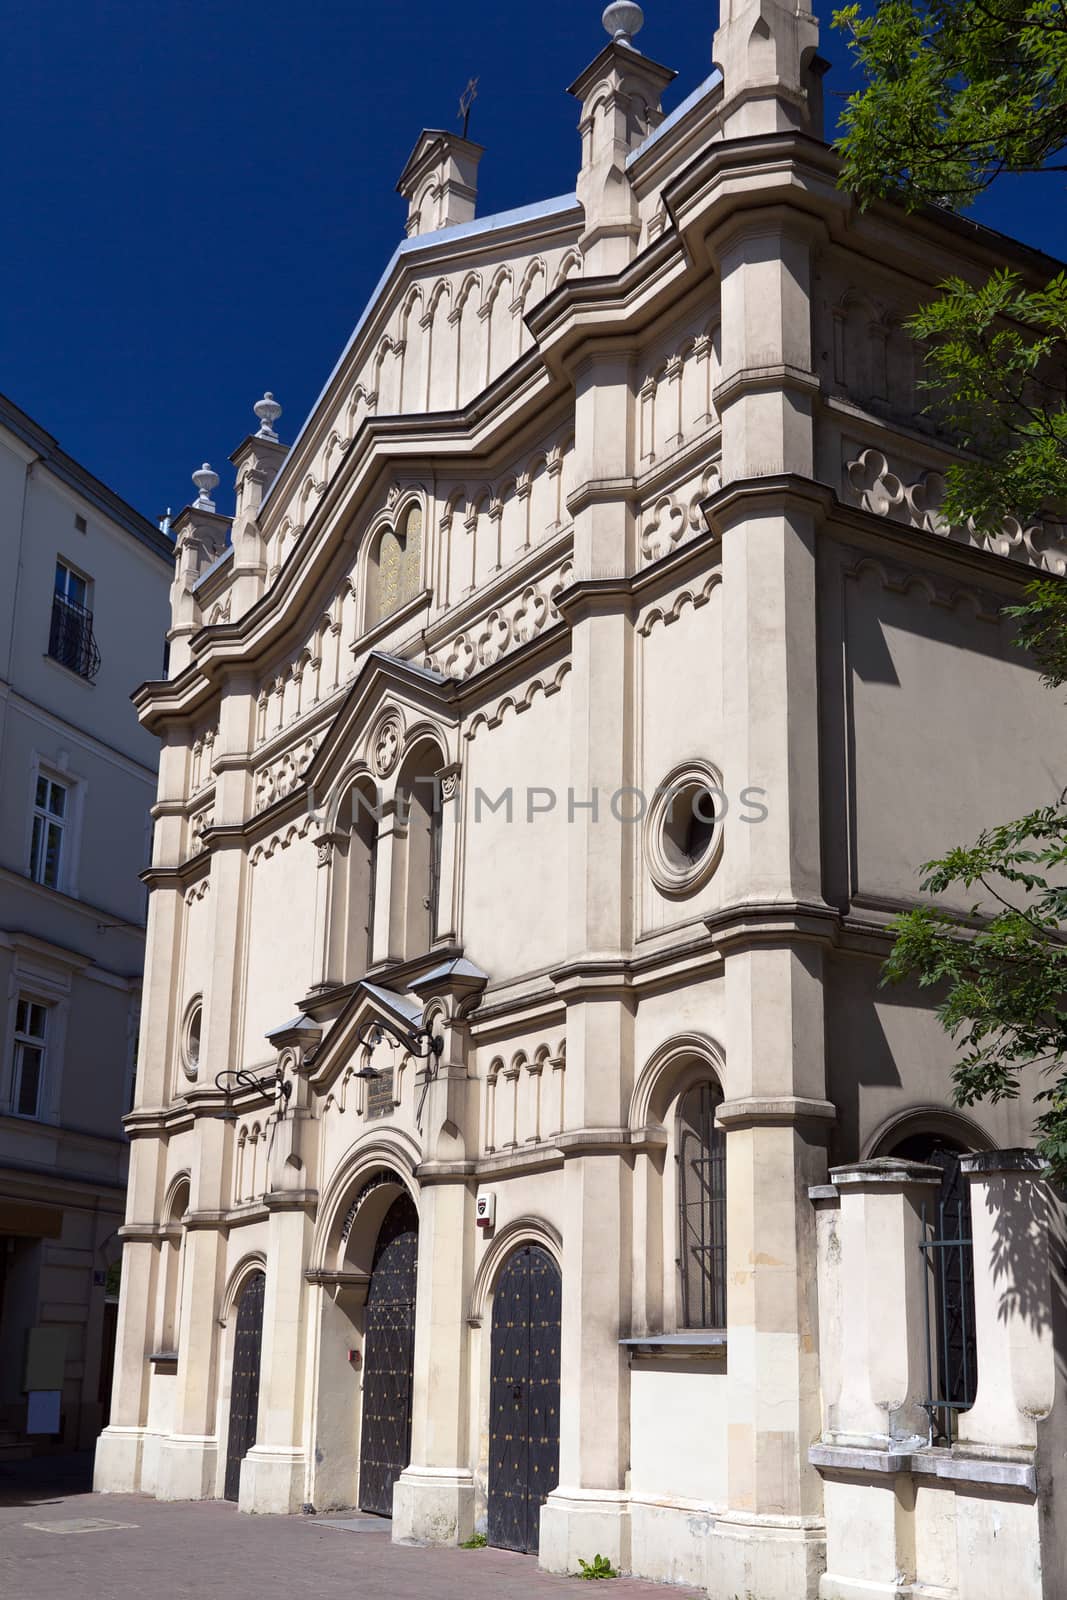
[117, 1464]
[272, 1480]
[669, 1542]
[766, 1558]
[583, 1523]
[188, 1464]
[433, 1505]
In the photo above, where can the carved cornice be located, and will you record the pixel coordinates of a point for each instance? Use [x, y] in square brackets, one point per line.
[773, 1111]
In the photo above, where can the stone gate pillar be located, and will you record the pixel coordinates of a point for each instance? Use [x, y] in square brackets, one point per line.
[874, 1284]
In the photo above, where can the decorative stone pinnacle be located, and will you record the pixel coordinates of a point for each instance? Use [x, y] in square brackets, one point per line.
[623, 19]
[205, 481]
[268, 411]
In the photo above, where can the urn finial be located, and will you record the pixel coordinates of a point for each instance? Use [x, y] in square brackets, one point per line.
[623, 19]
[268, 411]
[205, 481]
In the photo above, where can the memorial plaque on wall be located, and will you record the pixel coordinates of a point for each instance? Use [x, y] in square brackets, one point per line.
[380, 1094]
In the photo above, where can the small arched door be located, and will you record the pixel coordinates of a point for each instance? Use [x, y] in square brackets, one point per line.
[244, 1385]
[388, 1358]
[523, 1397]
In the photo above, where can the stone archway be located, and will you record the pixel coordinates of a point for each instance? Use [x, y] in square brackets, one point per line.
[357, 1199]
[244, 1384]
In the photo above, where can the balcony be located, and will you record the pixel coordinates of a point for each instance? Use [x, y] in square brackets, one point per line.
[70, 640]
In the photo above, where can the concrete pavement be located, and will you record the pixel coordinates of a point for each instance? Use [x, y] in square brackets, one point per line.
[56, 1541]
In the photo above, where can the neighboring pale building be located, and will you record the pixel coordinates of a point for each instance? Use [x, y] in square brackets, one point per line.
[83, 615]
[621, 505]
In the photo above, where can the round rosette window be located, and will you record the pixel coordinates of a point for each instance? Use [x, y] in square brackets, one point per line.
[683, 830]
[194, 1016]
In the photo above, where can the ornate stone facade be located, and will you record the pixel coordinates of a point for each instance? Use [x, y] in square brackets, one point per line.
[574, 701]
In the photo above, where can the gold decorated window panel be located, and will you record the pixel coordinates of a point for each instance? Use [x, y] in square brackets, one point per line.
[395, 565]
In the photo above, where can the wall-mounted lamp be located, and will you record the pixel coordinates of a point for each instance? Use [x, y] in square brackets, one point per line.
[271, 1083]
[418, 1042]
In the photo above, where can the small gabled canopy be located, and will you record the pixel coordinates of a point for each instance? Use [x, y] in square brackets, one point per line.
[299, 1030]
[458, 977]
[367, 1002]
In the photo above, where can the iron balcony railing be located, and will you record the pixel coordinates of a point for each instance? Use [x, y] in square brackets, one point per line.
[951, 1348]
[70, 640]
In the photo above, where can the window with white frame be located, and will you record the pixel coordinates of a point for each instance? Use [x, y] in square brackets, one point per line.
[31, 1021]
[51, 815]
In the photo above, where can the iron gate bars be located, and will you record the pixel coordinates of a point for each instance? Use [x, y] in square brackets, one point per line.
[950, 1335]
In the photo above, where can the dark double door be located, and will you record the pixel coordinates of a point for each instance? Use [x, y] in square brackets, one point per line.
[388, 1358]
[244, 1385]
[523, 1398]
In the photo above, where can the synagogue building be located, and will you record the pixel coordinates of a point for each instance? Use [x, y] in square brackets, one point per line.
[523, 1140]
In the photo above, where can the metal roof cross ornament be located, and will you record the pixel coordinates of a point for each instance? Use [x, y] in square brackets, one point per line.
[466, 100]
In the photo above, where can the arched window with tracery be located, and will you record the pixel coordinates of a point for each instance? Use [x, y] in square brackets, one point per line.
[701, 1161]
[393, 569]
[352, 884]
[172, 1269]
[417, 859]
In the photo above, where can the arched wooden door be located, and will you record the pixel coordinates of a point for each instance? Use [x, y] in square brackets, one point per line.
[388, 1358]
[244, 1385]
[523, 1397]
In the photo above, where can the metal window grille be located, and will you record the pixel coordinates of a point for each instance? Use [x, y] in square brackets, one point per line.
[702, 1209]
[951, 1351]
[70, 640]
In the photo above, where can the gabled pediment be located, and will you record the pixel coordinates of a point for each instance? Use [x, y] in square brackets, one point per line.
[383, 680]
[368, 1003]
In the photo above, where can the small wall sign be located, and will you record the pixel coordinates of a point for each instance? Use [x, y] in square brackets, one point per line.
[380, 1095]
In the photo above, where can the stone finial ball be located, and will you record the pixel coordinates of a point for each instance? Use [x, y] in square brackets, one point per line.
[623, 19]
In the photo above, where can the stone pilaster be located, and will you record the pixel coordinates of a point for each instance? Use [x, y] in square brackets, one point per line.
[274, 1471]
[189, 1456]
[619, 94]
[119, 1450]
[200, 536]
[772, 927]
[589, 1509]
[433, 1500]
[772, 76]
[257, 461]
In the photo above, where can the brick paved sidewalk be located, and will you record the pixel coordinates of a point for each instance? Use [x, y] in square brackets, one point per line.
[167, 1552]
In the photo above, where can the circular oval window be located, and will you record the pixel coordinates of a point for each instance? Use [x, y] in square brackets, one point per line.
[191, 1038]
[683, 832]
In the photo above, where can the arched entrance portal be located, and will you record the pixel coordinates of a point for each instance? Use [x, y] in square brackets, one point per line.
[523, 1397]
[388, 1359]
[244, 1388]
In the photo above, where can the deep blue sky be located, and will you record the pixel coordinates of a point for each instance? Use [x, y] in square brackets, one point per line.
[199, 197]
